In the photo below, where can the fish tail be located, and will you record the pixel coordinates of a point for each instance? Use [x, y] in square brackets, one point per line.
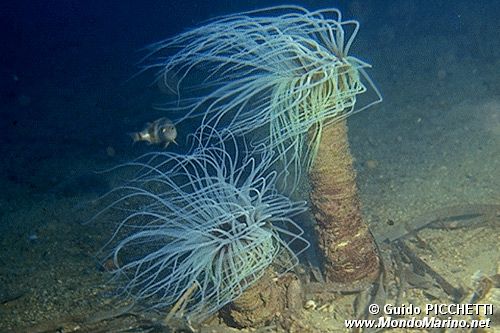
[136, 136]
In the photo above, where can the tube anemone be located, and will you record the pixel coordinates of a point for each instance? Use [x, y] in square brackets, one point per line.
[287, 69]
[282, 68]
[201, 228]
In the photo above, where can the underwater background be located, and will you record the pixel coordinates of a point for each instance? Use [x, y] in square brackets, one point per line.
[69, 98]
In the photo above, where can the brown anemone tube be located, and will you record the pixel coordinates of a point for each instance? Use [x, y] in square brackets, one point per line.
[349, 250]
[265, 301]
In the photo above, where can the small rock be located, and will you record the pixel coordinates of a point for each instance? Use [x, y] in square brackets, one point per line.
[371, 164]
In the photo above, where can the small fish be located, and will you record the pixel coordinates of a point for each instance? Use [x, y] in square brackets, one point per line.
[159, 131]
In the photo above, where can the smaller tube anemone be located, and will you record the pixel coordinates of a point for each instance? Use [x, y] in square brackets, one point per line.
[210, 222]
